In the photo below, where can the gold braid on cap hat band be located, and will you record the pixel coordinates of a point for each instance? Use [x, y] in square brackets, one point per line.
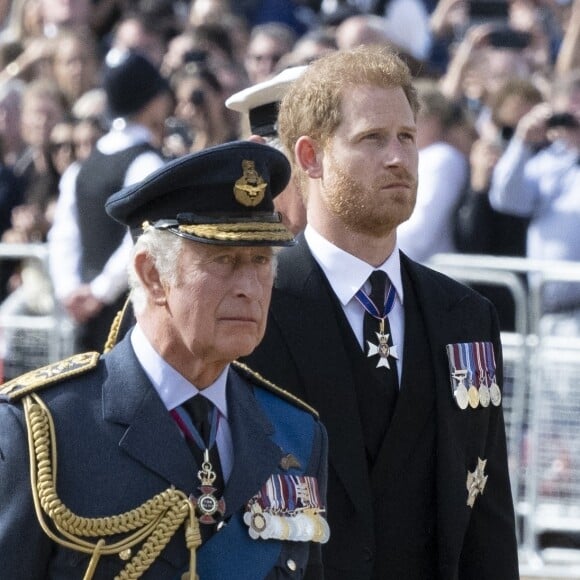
[239, 232]
[153, 523]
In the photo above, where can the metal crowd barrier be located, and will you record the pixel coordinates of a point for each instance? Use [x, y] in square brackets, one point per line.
[33, 329]
[542, 410]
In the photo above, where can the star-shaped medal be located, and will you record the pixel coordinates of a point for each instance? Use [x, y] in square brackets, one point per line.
[383, 350]
[476, 481]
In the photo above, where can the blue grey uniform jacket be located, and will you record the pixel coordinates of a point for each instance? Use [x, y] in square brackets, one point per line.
[117, 447]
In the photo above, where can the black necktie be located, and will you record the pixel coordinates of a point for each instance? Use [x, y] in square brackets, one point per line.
[385, 389]
[200, 410]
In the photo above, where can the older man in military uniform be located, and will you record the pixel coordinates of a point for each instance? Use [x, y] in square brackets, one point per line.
[163, 458]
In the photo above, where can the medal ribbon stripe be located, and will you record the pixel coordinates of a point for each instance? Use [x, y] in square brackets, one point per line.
[484, 395]
[490, 361]
[479, 363]
[494, 390]
[454, 358]
[468, 360]
[289, 493]
[307, 491]
[460, 357]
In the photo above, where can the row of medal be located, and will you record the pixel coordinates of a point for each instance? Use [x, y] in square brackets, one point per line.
[473, 362]
[307, 526]
[474, 396]
[287, 507]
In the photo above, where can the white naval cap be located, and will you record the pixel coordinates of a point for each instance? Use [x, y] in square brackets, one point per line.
[260, 101]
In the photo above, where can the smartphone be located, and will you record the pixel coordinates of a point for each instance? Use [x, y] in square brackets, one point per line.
[196, 55]
[178, 128]
[509, 38]
[566, 120]
[482, 10]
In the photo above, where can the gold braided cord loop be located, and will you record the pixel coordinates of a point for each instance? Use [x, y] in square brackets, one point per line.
[172, 520]
[155, 522]
[192, 541]
[239, 232]
[115, 327]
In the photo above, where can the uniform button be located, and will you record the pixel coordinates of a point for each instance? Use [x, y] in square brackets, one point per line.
[368, 554]
[291, 565]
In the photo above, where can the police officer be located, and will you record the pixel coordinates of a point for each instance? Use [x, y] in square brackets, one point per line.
[163, 457]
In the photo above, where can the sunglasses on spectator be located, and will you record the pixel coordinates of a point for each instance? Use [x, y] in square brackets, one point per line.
[273, 58]
[197, 98]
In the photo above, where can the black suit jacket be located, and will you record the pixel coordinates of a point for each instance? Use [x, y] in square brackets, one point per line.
[369, 513]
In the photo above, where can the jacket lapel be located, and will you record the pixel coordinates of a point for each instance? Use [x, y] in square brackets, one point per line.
[130, 399]
[328, 379]
[416, 402]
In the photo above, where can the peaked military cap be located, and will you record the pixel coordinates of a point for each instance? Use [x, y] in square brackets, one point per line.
[261, 101]
[220, 195]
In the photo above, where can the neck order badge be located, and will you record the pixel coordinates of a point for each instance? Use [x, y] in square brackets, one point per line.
[197, 419]
[378, 280]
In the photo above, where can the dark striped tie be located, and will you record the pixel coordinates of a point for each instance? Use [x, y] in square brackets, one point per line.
[383, 395]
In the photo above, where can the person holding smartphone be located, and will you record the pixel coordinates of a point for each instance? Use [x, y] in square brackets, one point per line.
[543, 186]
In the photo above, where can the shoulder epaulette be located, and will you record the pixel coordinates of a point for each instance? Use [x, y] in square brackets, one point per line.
[48, 375]
[269, 386]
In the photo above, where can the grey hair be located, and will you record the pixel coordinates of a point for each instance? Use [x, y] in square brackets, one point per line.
[274, 141]
[164, 248]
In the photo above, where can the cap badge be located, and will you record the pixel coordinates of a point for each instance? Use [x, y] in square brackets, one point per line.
[250, 188]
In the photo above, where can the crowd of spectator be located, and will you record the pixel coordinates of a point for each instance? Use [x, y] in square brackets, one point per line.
[490, 82]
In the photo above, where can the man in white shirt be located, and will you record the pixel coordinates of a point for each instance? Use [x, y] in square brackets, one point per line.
[543, 185]
[381, 346]
[89, 251]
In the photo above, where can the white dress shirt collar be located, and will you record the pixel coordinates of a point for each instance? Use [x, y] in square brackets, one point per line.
[171, 386]
[347, 273]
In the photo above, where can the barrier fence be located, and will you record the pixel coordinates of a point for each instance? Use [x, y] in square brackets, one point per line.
[33, 330]
[541, 407]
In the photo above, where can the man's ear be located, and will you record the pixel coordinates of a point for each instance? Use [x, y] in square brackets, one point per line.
[309, 156]
[149, 276]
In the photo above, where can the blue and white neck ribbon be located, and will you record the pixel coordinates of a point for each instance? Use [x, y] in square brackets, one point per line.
[372, 308]
[383, 349]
